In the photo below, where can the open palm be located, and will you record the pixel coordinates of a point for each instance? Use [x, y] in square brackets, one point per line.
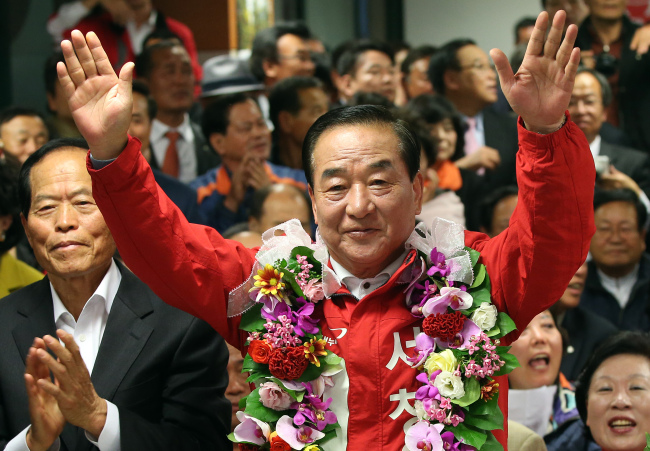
[99, 100]
[541, 89]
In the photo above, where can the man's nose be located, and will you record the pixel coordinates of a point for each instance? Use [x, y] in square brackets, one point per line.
[359, 203]
[31, 146]
[66, 218]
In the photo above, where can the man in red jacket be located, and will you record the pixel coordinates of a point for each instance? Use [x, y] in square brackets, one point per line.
[365, 196]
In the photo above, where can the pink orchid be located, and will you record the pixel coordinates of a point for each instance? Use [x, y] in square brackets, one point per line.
[251, 430]
[423, 436]
[296, 438]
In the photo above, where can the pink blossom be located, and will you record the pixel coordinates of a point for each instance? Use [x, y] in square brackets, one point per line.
[297, 438]
[251, 430]
[273, 397]
[314, 290]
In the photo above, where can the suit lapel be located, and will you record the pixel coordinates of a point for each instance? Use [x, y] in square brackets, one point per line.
[125, 335]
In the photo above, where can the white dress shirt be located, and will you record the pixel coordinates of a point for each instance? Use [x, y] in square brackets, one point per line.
[359, 288]
[621, 287]
[87, 331]
[137, 34]
[184, 146]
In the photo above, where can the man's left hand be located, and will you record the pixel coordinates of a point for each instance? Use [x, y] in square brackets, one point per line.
[73, 391]
[541, 89]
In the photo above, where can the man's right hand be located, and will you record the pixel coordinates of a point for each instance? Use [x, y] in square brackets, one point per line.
[47, 421]
[485, 157]
[99, 101]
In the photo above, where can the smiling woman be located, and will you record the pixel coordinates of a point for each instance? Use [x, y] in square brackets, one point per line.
[614, 393]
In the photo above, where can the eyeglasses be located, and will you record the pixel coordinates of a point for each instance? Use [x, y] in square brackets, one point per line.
[481, 67]
[302, 57]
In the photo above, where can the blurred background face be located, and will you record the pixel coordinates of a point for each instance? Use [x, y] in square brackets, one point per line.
[237, 385]
[586, 105]
[281, 205]
[618, 403]
[502, 212]
[476, 78]
[539, 352]
[22, 136]
[576, 10]
[571, 296]
[445, 136]
[140, 121]
[417, 82]
[607, 9]
[171, 80]
[313, 104]
[374, 73]
[617, 245]
[247, 132]
[294, 59]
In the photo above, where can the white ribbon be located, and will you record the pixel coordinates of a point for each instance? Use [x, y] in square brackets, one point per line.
[279, 247]
[449, 239]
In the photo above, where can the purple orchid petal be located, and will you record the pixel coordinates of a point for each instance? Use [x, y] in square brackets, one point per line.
[296, 438]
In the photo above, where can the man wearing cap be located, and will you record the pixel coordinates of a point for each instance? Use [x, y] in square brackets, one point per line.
[225, 74]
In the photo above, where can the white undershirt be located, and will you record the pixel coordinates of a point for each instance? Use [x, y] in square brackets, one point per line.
[87, 331]
[184, 146]
[621, 287]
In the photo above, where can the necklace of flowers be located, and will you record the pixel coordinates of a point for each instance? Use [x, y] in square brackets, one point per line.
[457, 354]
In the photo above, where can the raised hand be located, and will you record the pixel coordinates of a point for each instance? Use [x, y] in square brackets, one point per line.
[46, 419]
[99, 101]
[73, 391]
[541, 89]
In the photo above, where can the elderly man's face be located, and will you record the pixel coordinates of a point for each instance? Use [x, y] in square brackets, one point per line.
[363, 199]
[64, 226]
[171, 80]
[22, 136]
[586, 105]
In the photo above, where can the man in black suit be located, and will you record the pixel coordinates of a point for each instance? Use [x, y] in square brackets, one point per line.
[179, 148]
[461, 71]
[588, 107]
[135, 374]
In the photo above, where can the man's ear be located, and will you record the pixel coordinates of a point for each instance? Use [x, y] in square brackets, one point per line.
[216, 141]
[313, 203]
[418, 189]
[285, 121]
[270, 68]
[450, 80]
[347, 85]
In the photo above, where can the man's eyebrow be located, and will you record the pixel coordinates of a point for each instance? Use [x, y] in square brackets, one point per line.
[381, 164]
[331, 172]
[81, 191]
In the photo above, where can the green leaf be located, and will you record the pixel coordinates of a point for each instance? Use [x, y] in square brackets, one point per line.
[251, 320]
[511, 364]
[491, 444]
[472, 393]
[505, 324]
[255, 408]
[311, 373]
[472, 436]
[251, 366]
[484, 422]
[295, 394]
[487, 407]
[473, 255]
[480, 296]
[647, 442]
[493, 332]
[290, 278]
[242, 402]
[256, 376]
[309, 253]
[329, 435]
[331, 359]
[479, 276]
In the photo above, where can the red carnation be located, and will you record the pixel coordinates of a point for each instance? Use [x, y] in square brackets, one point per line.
[443, 325]
[288, 363]
[260, 351]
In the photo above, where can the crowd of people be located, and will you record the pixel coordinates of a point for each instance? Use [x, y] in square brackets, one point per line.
[232, 148]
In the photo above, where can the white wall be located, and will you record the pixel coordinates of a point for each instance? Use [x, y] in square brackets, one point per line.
[489, 22]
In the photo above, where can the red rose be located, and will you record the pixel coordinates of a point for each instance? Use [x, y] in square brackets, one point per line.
[277, 444]
[288, 363]
[259, 350]
[248, 447]
[443, 325]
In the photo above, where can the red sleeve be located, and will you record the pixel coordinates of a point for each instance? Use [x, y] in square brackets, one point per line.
[531, 263]
[188, 266]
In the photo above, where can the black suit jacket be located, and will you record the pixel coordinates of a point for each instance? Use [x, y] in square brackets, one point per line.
[633, 163]
[164, 369]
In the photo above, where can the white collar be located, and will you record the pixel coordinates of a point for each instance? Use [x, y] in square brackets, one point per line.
[106, 291]
[594, 146]
[158, 129]
[362, 287]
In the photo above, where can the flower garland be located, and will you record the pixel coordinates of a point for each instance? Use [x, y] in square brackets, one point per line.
[457, 354]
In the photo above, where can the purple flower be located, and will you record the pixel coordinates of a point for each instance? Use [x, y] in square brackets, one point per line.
[438, 264]
[423, 436]
[314, 410]
[427, 390]
[462, 338]
[304, 323]
[424, 345]
[296, 438]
